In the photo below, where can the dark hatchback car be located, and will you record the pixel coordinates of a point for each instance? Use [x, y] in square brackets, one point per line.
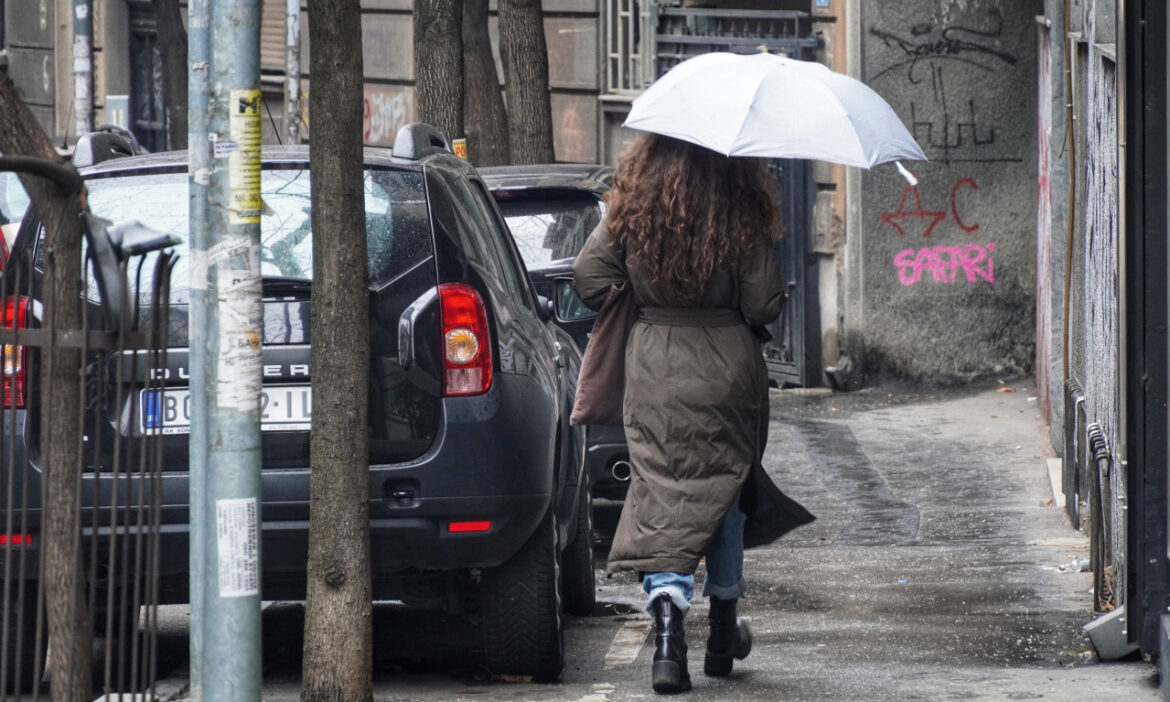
[551, 209]
[476, 485]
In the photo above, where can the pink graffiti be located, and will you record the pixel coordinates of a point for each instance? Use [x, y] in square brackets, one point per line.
[944, 263]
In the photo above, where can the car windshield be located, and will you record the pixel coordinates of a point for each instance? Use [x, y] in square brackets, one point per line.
[550, 227]
[397, 224]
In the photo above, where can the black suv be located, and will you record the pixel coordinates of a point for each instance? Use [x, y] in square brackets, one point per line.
[478, 498]
[551, 209]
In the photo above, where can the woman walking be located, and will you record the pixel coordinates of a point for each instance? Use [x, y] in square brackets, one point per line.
[692, 231]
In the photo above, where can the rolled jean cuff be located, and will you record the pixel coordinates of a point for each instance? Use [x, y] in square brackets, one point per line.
[677, 596]
[725, 592]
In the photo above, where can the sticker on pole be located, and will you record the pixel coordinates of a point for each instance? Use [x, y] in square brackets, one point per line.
[237, 528]
[244, 161]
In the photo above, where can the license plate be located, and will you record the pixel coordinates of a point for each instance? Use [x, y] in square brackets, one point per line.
[282, 408]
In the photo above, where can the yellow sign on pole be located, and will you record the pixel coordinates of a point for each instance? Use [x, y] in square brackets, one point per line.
[244, 161]
[459, 146]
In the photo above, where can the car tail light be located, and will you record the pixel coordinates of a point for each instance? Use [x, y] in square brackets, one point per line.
[467, 354]
[16, 539]
[14, 361]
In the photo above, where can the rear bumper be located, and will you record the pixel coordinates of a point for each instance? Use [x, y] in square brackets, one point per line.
[492, 461]
[606, 446]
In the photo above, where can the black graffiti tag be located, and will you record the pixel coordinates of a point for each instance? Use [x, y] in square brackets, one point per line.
[954, 42]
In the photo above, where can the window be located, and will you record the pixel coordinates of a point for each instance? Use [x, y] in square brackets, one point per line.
[550, 227]
[397, 225]
[473, 200]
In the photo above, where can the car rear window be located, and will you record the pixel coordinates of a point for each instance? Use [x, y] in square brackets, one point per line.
[397, 223]
[549, 226]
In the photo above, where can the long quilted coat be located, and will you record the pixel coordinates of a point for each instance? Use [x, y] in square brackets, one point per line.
[695, 402]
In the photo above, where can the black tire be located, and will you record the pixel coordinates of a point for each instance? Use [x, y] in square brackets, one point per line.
[580, 580]
[523, 633]
[25, 661]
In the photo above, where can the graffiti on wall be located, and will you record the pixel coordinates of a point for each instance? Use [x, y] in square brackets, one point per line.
[385, 111]
[944, 263]
[925, 42]
[976, 261]
[926, 220]
[948, 121]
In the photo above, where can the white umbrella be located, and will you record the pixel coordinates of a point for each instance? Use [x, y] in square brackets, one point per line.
[774, 106]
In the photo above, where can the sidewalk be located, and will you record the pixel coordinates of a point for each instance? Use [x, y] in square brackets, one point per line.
[933, 572]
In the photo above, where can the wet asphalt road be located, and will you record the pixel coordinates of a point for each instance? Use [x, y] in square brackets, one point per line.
[932, 573]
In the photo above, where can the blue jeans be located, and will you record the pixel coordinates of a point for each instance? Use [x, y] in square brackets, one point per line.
[724, 568]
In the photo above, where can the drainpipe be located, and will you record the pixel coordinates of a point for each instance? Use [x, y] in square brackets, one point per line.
[83, 66]
[199, 332]
[231, 584]
[1071, 214]
[292, 72]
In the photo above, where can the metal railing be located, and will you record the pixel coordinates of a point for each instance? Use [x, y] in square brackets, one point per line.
[643, 39]
[630, 27]
[113, 467]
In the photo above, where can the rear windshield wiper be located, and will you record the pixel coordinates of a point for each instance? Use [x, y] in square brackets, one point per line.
[277, 285]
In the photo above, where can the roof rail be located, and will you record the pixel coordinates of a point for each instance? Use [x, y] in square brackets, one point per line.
[417, 140]
[107, 142]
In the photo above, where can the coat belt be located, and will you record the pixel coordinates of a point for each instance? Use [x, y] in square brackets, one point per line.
[691, 316]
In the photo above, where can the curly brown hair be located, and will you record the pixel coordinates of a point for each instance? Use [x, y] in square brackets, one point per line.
[681, 210]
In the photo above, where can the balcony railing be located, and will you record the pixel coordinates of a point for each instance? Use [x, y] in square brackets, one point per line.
[643, 40]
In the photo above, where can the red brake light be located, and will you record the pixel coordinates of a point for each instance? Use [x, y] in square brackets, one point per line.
[16, 539]
[465, 527]
[15, 366]
[467, 351]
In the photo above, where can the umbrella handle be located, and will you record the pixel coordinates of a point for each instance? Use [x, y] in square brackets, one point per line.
[910, 178]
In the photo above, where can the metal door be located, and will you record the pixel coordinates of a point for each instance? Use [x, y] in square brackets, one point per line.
[793, 355]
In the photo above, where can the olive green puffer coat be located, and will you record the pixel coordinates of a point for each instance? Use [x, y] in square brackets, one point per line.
[696, 398]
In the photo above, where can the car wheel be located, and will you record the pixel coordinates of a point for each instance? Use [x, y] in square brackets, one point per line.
[24, 659]
[580, 579]
[521, 610]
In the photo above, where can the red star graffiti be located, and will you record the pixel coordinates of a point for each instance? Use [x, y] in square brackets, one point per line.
[894, 219]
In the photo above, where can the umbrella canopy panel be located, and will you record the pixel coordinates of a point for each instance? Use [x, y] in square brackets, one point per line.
[773, 106]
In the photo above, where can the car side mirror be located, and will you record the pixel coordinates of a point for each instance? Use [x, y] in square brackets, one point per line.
[569, 307]
[546, 308]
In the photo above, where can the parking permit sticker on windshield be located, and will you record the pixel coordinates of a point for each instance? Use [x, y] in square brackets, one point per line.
[244, 161]
[237, 527]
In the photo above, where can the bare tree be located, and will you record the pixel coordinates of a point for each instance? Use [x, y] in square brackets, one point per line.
[172, 43]
[525, 57]
[338, 623]
[68, 621]
[438, 60]
[485, 121]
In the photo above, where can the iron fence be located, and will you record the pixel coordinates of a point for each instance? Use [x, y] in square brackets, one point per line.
[113, 464]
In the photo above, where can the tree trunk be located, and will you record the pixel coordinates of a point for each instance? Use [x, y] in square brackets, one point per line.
[438, 61]
[525, 59]
[65, 602]
[484, 118]
[338, 623]
[172, 43]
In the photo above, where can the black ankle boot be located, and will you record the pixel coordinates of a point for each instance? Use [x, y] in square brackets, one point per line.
[669, 672]
[730, 638]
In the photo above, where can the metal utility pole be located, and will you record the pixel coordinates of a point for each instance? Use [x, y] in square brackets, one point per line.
[198, 174]
[83, 66]
[292, 71]
[231, 584]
